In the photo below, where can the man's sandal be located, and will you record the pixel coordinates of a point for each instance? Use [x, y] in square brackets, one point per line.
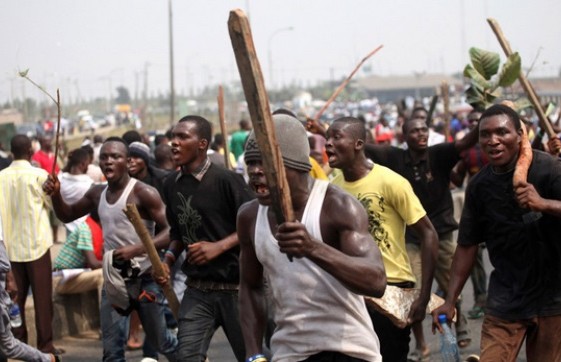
[476, 313]
[419, 356]
[463, 338]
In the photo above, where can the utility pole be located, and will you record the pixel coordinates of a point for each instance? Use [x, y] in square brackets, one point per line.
[172, 85]
[145, 92]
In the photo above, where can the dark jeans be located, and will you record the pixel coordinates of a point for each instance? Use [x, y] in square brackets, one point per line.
[332, 357]
[394, 341]
[200, 315]
[114, 325]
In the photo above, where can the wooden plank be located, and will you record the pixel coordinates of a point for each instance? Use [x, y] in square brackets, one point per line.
[544, 122]
[222, 118]
[57, 142]
[132, 214]
[345, 82]
[260, 113]
[444, 92]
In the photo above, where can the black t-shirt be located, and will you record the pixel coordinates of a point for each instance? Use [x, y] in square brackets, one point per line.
[523, 246]
[206, 210]
[429, 178]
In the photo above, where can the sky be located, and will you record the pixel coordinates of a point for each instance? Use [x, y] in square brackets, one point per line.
[87, 48]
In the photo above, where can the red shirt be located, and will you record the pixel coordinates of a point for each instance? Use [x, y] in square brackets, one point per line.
[45, 160]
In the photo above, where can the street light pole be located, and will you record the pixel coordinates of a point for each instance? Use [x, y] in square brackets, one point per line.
[270, 53]
[172, 84]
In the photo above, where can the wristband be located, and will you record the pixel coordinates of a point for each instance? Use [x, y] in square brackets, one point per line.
[170, 254]
[257, 358]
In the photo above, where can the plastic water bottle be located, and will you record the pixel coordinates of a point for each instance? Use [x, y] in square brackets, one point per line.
[15, 316]
[448, 346]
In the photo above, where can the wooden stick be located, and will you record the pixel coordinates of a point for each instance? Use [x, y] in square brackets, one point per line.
[53, 170]
[132, 214]
[261, 118]
[222, 119]
[544, 123]
[431, 109]
[446, 101]
[345, 82]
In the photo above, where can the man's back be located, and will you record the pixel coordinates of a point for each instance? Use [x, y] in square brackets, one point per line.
[24, 211]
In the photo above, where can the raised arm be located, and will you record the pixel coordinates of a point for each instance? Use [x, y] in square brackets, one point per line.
[69, 212]
[458, 173]
[348, 251]
[251, 295]
[469, 140]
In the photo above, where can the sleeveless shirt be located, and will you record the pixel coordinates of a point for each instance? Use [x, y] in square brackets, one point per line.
[314, 312]
[118, 231]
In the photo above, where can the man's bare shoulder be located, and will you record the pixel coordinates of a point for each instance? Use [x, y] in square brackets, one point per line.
[248, 210]
[94, 192]
[142, 190]
[339, 205]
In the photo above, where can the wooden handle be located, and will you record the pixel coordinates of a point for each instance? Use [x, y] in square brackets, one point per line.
[53, 170]
[260, 113]
[132, 214]
[530, 92]
[446, 101]
[222, 118]
[345, 82]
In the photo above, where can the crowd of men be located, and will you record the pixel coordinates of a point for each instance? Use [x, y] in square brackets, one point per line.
[290, 290]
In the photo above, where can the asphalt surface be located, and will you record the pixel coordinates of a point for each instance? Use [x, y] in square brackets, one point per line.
[88, 347]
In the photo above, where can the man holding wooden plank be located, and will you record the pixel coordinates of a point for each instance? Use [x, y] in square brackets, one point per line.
[319, 312]
[121, 239]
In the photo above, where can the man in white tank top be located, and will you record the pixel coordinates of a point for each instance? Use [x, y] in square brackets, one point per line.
[319, 312]
[119, 235]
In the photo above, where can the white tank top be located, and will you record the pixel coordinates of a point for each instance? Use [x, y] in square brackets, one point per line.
[118, 231]
[313, 311]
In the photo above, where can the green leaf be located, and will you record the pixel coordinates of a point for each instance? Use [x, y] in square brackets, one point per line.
[510, 70]
[475, 98]
[23, 73]
[476, 78]
[485, 62]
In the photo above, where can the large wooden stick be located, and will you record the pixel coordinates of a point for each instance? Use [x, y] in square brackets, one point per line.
[261, 118]
[132, 214]
[446, 101]
[345, 82]
[222, 118]
[53, 170]
[432, 107]
[530, 92]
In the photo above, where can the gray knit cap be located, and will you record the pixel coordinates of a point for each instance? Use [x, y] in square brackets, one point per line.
[293, 143]
[139, 149]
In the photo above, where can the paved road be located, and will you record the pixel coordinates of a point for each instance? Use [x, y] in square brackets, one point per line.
[88, 348]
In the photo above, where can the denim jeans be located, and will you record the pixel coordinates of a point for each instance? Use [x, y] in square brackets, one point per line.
[200, 315]
[114, 326]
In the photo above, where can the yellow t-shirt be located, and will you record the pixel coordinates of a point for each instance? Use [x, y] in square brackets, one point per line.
[316, 171]
[391, 204]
